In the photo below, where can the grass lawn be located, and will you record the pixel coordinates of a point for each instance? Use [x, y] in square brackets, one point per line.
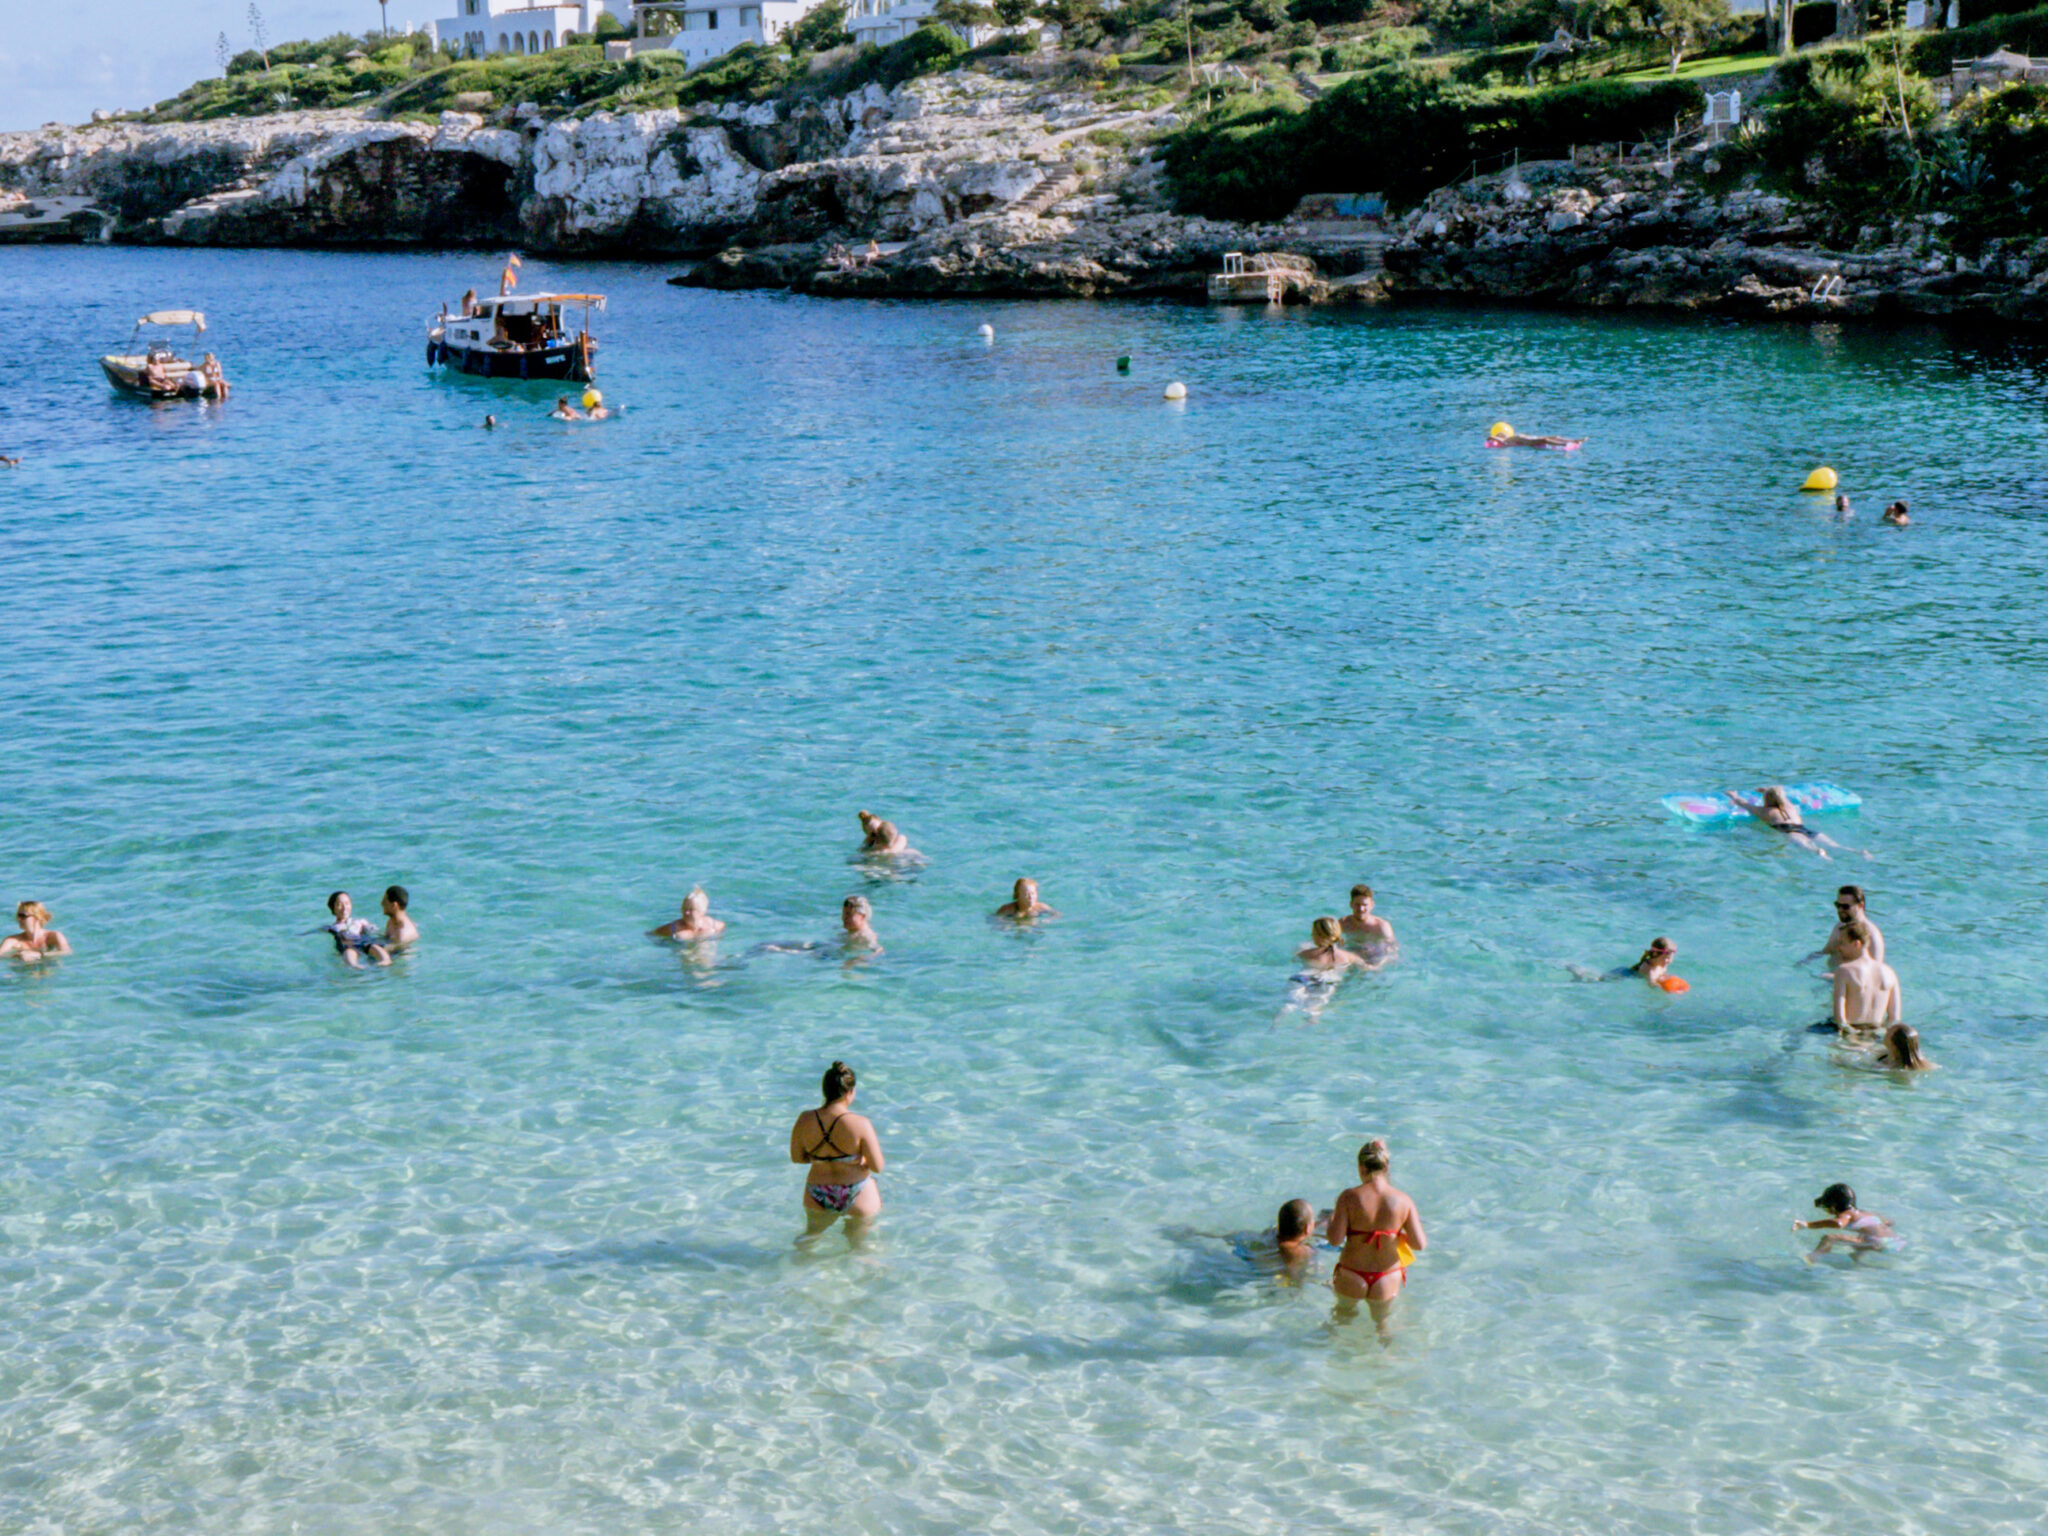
[1709, 68]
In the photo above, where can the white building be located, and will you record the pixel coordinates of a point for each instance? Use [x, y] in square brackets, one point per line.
[882, 22]
[705, 29]
[520, 26]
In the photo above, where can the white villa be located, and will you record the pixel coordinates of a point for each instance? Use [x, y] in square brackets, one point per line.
[882, 22]
[520, 26]
[705, 29]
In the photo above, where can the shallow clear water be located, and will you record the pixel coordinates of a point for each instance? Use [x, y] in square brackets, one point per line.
[499, 1240]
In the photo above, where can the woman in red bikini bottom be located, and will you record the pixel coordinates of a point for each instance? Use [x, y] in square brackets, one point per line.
[1370, 1222]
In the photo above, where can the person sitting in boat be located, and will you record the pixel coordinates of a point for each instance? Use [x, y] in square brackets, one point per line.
[469, 304]
[214, 376]
[565, 411]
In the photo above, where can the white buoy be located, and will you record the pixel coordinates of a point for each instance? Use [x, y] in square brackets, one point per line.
[988, 333]
[1176, 391]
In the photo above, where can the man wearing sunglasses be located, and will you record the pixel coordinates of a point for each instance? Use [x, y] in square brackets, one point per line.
[1849, 902]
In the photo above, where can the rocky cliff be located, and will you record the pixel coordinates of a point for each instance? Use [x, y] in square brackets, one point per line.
[992, 183]
[1644, 237]
[976, 184]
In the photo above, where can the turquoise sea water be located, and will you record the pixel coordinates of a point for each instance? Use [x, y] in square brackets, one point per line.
[499, 1240]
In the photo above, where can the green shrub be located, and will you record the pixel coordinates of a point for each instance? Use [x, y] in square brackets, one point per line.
[2023, 31]
[824, 28]
[1387, 45]
[1401, 131]
[930, 50]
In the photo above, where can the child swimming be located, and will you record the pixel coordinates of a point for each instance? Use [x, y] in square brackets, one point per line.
[1847, 1227]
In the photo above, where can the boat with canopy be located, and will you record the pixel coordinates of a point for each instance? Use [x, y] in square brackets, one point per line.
[518, 336]
[152, 368]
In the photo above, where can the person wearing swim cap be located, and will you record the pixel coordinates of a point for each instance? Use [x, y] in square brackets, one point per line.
[856, 921]
[695, 923]
[1501, 435]
[1371, 1221]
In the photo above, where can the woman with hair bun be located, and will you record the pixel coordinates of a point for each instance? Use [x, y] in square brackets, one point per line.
[844, 1157]
[1372, 1223]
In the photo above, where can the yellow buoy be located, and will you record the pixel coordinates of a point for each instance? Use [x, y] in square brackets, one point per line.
[1822, 479]
[1499, 430]
[1176, 391]
[592, 399]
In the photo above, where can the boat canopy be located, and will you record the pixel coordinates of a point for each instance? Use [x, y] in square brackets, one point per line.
[526, 304]
[190, 317]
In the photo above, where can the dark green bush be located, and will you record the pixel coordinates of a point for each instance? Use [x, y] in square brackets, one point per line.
[1403, 132]
[930, 50]
[822, 29]
[1812, 23]
[2022, 31]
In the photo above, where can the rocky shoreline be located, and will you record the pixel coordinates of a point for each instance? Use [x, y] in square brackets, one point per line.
[978, 185]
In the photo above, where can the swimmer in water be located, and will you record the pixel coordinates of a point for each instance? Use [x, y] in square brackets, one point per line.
[882, 840]
[1849, 908]
[7, 463]
[1843, 511]
[1653, 966]
[353, 936]
[1775, 810]
[695, 923]
[490, 423]
[400, 931]
[564, 411]
[1847, 1227]
[1542, 440]
[1360, 923]
[856, 919]
[1899, 1052]
[1369, 1222]
[844, 1158]
[1895, 514]
[36, 938]
[598, 409]
[1867, 993]
[1325, 950]
[1024, 904]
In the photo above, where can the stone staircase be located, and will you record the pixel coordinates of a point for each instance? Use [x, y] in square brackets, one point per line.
[1061, 180]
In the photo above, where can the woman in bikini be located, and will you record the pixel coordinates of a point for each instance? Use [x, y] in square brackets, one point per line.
[1369, 1223]
[1325, 949]
[843, 1155]
[1776, 811]
[37, 938]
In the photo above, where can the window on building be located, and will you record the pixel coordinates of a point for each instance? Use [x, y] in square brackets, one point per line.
[503, 45]
[547, 40]
[750, 16]
[713, 23]
[533, 42]
[697, 21]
